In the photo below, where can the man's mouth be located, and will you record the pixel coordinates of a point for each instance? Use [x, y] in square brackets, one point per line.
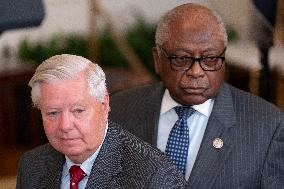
[69, 139]
[194, 90]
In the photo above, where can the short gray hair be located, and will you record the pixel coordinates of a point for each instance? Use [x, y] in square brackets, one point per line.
[64, 67]
[162, 30]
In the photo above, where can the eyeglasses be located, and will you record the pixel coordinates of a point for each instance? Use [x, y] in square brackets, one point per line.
[183, 63]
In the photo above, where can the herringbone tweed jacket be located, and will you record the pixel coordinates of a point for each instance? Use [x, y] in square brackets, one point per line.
[124, 161]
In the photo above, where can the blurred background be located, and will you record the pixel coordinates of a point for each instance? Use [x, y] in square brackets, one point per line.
[119, 35]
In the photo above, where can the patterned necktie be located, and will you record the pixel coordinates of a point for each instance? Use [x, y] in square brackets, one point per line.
[178, 141]
[76, 175]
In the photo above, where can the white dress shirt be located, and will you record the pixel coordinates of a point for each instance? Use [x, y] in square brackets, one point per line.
[86, 166]
[197, 124]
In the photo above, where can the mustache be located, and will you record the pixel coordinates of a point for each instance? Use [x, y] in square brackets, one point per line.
[194, 83]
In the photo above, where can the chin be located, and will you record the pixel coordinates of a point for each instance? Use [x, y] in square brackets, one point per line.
[69, 149]
[193, 100]
[72, 151]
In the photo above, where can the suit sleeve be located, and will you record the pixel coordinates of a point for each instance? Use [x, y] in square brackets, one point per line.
[167, 178]
[273, 172]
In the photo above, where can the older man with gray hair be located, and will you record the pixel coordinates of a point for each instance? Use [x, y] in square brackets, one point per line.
[86, 150]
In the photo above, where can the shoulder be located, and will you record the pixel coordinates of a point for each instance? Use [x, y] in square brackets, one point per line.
[134, 144]
[153, 166]
[252, 102]
[131, 101]
[36, 164]
[249, 109]
[39, 151]
[39, 156]
[139, 91]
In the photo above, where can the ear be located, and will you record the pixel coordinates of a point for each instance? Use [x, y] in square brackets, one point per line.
[105, 104]
[156, 59]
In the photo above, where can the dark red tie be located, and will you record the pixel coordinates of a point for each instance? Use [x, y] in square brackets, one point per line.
[76, 175]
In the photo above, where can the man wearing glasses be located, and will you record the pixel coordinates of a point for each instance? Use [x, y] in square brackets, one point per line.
[217, 135]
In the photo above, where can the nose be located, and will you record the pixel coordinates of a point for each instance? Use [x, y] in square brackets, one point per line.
[195, 70]
[65, 122]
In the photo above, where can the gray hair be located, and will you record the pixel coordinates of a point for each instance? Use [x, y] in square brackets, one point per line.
[162, 30]
[64, 67]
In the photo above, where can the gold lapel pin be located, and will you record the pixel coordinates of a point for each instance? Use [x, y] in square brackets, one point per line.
[218, 143]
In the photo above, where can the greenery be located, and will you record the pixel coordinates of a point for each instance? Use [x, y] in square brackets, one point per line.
[232, 33]
[58, 44]
[108, 53]
[140, 37]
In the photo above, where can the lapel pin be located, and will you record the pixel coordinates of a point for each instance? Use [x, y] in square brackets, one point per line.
[217, 143]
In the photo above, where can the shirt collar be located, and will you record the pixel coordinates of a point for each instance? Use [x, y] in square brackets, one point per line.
[87, 165]
[168, 103]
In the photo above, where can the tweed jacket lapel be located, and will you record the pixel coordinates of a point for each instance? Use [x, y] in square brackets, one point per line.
[150, 113]
[108, 163]
[52, 172]
[210, 160]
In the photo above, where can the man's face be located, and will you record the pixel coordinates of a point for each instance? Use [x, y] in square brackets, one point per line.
[74, 121]
[195, 85]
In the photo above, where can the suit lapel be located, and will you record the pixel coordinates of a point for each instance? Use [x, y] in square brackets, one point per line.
[210, 160]
[108, 162]
[151, 107]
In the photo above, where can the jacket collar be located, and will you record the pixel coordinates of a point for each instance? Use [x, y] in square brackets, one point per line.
[109, 160]
[210, 159]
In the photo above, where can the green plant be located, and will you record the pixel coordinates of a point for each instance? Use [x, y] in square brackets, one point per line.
[58, 44]
[140, 37]
[232, 33]
[108, 53]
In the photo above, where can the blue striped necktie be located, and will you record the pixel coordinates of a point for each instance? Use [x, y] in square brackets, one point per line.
[178, 141]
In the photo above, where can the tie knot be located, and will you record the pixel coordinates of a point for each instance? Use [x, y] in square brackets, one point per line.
[184, 112]
[76, 175]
